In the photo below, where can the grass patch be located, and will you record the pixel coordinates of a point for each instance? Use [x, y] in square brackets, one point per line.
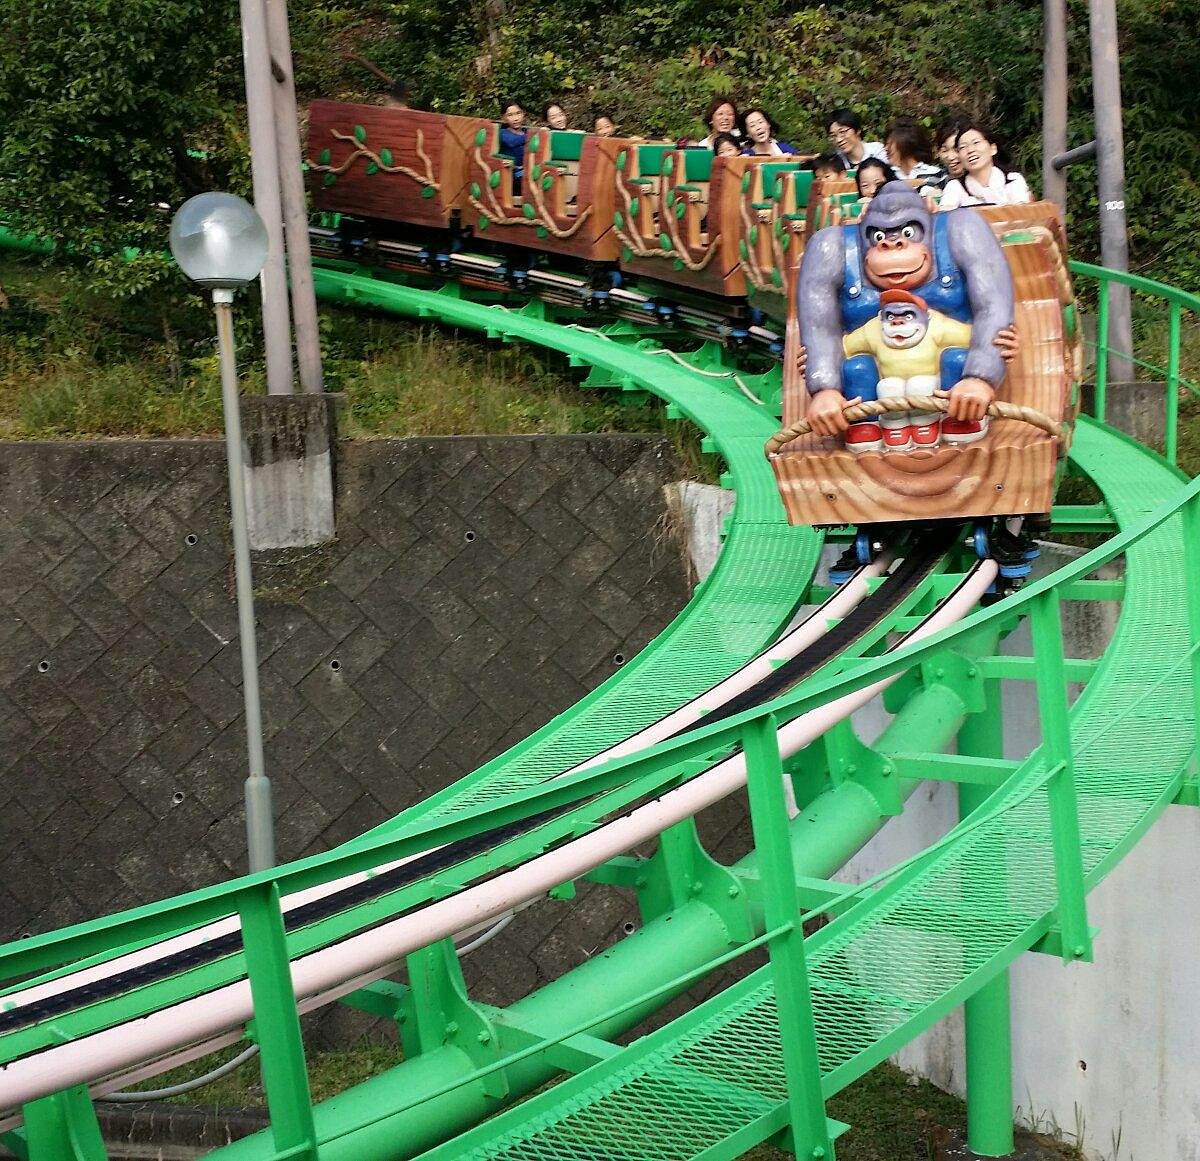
[329, 1073]
[79, 366]
[893, 1117]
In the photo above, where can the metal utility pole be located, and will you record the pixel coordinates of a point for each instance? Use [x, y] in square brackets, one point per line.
[1110, 156]
[264, 168]
[1054, 99]
[295, 208]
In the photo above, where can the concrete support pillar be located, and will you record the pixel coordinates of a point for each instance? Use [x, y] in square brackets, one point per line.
[264, 168]
[295, 207]
[1110, 162]
[288, 470]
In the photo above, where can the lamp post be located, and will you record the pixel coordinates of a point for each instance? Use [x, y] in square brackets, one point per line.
[221, 244]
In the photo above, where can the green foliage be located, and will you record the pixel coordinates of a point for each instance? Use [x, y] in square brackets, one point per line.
[655, 64]
[104, 104]
[100, 102]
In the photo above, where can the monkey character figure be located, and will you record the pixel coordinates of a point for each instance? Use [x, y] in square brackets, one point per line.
[952, 261]
[907, 341]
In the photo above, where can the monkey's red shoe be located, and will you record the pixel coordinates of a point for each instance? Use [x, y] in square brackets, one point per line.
[964, 430]
[926, 435]
[864, 437]
[898, 439]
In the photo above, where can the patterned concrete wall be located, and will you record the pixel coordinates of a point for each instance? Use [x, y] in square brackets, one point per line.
[476, 587]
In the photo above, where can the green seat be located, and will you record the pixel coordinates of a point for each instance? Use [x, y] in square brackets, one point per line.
[770, 172]
[803, 182]
[697, 164]
[651, 157]
[566, 145]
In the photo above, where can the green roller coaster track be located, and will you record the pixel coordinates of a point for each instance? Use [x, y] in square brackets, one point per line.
[759, 1059]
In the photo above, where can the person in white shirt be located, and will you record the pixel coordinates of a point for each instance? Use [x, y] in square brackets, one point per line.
[722, 117]
[845, 129]
[984, 183]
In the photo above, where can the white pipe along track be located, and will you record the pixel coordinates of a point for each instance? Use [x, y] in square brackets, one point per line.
[102, 1053]
[789, 645]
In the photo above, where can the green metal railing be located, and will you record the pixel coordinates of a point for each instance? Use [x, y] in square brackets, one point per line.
[257, 898]
[1178, 302]
[588, 796]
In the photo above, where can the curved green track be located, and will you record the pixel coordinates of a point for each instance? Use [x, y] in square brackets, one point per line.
[711, 1084]
[917, 947]
[761, 575]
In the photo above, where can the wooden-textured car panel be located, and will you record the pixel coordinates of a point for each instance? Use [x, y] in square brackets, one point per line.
[1009, 472]
[396, 164]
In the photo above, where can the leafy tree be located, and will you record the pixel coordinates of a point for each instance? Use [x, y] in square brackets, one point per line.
[101, 104]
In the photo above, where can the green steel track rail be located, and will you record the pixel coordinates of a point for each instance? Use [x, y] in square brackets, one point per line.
[761, 575]
[899, 955]
[713, 1083]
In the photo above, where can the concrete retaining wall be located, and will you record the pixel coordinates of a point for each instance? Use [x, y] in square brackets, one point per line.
[475, 588]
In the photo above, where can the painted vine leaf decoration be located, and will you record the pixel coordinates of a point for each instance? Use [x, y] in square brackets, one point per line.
[383, 161]
[669, 244]
[531, 213]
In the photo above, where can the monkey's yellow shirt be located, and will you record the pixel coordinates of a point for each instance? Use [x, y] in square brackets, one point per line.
[908, 362]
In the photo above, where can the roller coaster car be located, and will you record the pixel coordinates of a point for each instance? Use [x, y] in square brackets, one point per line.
[564, 203]
[390, 164]
[1013, 469]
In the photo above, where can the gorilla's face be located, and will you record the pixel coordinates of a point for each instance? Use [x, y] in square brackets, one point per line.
[903, 325]
[898, 258]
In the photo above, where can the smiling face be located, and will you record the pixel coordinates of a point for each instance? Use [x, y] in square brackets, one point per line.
[898, 258]
[903, 325]
[723, 118]
[556, 117]
[845, 139]
[975, 152]
[514, 116]
[728, 149]
[604, 126]
[758, 128]
[948, 156]
[870, 180]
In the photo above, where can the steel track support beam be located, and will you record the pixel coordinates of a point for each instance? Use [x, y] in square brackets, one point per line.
[276, 1025]
[437, 1012]
[987, 1013]
[63, 1127]
[1046, 625]
[789, 967]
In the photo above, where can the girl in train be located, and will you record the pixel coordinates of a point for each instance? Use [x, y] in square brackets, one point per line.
[984, 182]
[554, 116]
[726, 145]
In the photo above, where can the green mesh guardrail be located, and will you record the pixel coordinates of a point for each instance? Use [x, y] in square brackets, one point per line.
[761, 574]
[712, 1084]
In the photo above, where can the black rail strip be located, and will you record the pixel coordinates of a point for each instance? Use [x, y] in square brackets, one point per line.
[922, 557]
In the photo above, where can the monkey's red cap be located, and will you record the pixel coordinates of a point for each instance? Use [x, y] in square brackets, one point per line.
[891, 297]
